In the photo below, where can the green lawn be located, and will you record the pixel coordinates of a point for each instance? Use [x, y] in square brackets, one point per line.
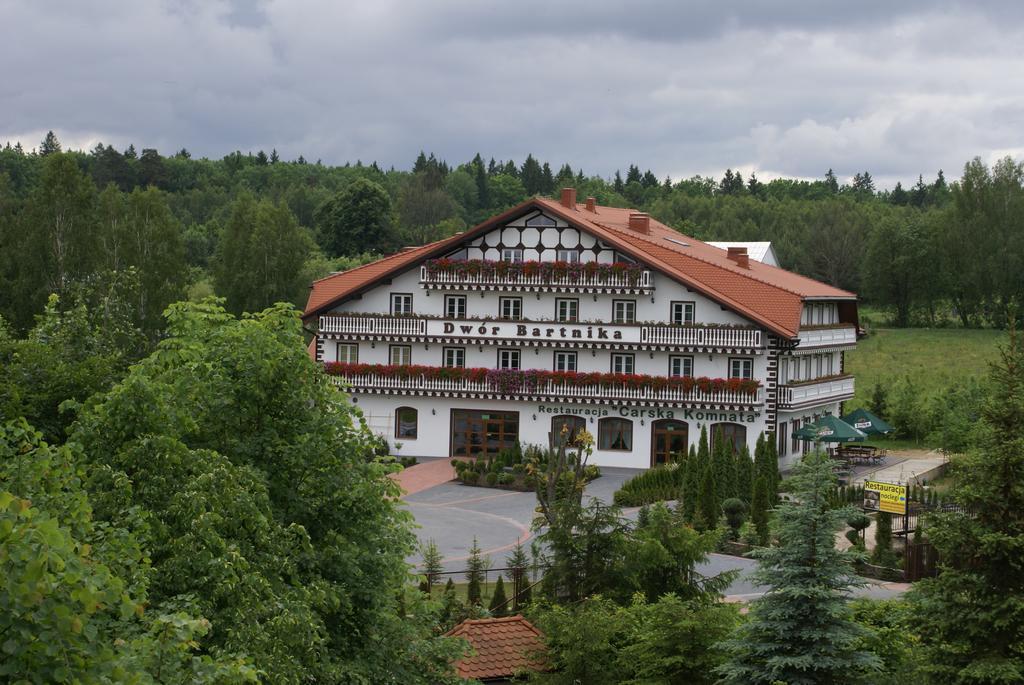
[934, 357]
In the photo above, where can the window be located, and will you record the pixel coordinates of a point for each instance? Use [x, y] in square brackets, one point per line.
[508, 359]
[623, 363]
[567, 310]
[455, 306]
[454, 356]
[795, 444]
[680, 366]
[817, 365]
[682, 312]
[783, 439]
[741, 368]
[615, 434]
[624, 311]
[565, 361]
[567, 256]
[400, 355]
[348, 353]
[401, 304]
[734, 434]
[406, 420]
[828, 364]
[510, 308]
[565, 429]
[512, 254]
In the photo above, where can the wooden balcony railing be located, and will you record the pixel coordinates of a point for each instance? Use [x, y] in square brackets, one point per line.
[624, 282]
[507, 332]
[549, 390]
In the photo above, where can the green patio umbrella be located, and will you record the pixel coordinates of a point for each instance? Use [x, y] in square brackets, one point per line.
[864, 420]
[830, 429]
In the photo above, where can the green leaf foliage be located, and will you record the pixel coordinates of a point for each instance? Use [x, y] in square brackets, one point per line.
[73, 605]
[670, 640]
[263, 505]
[971, 616]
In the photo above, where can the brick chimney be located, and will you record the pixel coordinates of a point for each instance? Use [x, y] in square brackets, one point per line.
[739, 255]
[569, 198]
[640, 222]
[591, 204]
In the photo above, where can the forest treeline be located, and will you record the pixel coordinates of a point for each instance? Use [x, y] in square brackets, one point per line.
[256, 229]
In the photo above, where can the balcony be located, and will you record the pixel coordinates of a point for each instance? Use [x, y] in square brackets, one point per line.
[551, 390]
[702, 337]
[629, 282]
[815, 392]
[844, 335]
[546, 333]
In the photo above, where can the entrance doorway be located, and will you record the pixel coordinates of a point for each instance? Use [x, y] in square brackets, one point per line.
[668, 438]
[480, 433]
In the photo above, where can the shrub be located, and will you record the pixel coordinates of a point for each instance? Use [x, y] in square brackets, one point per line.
[470, 477]
[654, 485]
[590, 472]
[491, 479]
[506, 479]
[735, 511]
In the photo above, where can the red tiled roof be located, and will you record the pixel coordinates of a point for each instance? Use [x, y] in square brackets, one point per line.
[503, 646]
[765, 294]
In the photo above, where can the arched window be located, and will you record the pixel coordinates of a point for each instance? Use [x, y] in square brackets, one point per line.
[734, 434]
[615, 434]
[406, 423]
[565, 429]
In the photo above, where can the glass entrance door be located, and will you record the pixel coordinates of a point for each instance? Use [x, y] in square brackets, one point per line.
[479, 433]
[668, 438]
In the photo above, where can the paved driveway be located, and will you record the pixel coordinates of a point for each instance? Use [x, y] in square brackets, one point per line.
[452, 514]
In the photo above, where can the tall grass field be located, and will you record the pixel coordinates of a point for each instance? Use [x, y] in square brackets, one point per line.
[934, 357]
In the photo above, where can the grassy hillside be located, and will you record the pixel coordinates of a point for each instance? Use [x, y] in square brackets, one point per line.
[935, 358]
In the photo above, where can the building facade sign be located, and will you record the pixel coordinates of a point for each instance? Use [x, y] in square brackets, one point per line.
[887, 497]
[532, 331]
[626, 411]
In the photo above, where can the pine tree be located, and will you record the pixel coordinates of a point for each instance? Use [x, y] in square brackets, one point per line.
[617, 184]
[759, 510]
[518, 562]
[970, 617]
[709, 503]
[771, 465]
[498, 607]
[432, 563]
[691, 485]
[49, 145]
[744, 474]
[475, 566]
[831, 183]
[274, 159]
[802, 630]
[451, 608]
[724, 467]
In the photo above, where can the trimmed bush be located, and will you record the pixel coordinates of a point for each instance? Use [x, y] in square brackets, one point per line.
[470, 477]
[506, 479]
[654, 485]
[491, 479]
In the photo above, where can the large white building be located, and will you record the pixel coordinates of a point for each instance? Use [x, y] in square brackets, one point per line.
[557, 313]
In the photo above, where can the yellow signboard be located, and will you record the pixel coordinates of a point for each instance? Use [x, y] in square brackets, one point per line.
[890, 497]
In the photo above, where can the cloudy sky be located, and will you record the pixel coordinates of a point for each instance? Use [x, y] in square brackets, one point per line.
[686, 87]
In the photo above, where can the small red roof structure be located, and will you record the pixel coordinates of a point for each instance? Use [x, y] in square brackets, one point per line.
[504, 647]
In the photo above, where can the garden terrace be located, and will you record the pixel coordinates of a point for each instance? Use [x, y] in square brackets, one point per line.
[481, 274]
[535, 384]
